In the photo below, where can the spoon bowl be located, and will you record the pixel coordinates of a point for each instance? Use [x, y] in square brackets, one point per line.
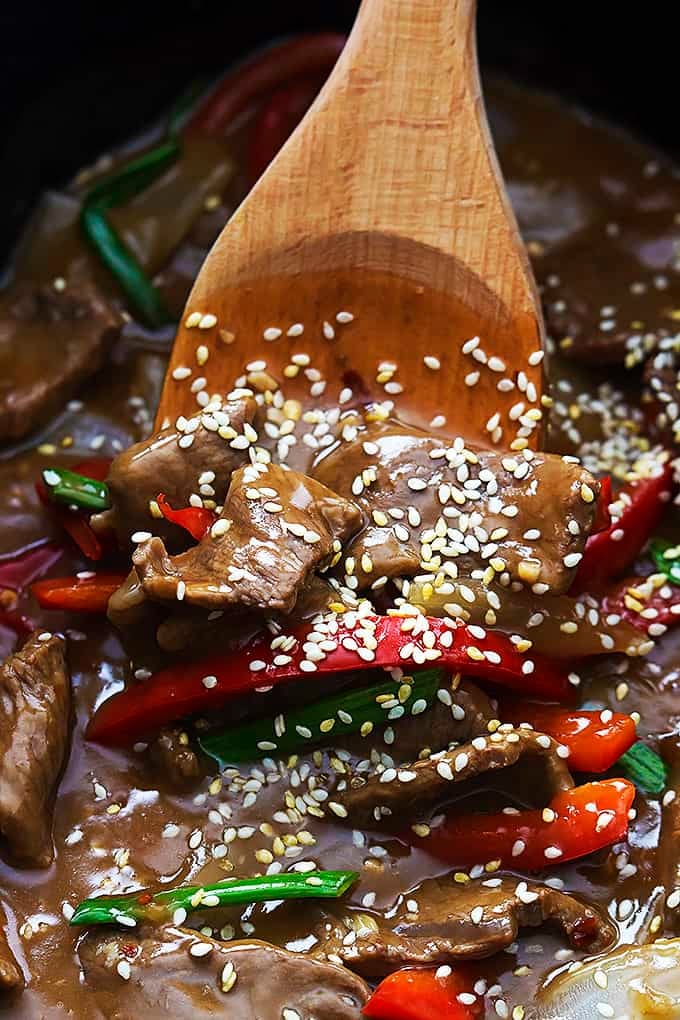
[377, 259]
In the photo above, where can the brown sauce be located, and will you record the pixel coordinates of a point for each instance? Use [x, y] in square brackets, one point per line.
[576, 186]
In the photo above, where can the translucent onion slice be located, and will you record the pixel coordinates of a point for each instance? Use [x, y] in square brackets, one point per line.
[629, 984]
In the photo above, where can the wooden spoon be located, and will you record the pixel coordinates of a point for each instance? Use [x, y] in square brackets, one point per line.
[377, 243]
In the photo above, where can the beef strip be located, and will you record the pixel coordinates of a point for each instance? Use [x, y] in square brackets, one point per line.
[409, 529]
[50, 341]
[278, 527]
[443, 922]
[35, 700]
[160, 464]
[417, 736]
[247, 980]
[435, 779]
[11, 976]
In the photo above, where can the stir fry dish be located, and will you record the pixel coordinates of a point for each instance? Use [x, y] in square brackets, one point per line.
[310, 713]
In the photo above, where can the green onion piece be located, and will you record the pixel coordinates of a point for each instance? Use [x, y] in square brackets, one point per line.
[666, 558]
[328, 719]
[121, 186]
[76, 490]
[160, 907]
[643, 767]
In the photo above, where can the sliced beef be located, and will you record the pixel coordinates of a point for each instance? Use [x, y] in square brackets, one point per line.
[241, 980]
[434, 504]
[403, 793]
[277, 528]
[416, 736]
[50, 341]
[11, 977]
[35, 700]
[159, 464]
[442, 922]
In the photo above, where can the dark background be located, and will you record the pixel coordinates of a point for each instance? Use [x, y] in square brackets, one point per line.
[77, 76]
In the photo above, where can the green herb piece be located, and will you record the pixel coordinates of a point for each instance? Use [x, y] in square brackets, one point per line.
[176, 904]
[349, 711]
[666, 558]
[121, 186]
[72, 489]
[643, 767]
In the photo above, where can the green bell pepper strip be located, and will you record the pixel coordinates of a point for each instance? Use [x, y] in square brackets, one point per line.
[666, 557]
[73, 489]
[121, 186]
[184, 689]
[161, 907]
[644, 768]
[336, 716]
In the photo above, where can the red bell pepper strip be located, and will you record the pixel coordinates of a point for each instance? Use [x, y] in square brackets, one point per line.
[25, 565]
[423, 994]
[585, 819]
[610, 552]
[255, 78]
[16, 621]
[603, 517]
[77, 594]
[194, 519]
[179, 690]
[281, 115]
[595, 743]
[643, 604]
[94, 467]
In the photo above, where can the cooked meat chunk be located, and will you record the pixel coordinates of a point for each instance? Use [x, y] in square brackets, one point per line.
[49, 342]
[35, 701]
[442, 921]
[434, 504]
[175, 759]
[276, 529]
[11, 977]
[416, 736]
[433, 780]
[161, 464]
[241, 980]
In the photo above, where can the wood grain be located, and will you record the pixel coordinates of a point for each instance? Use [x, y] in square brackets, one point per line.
[386, 202]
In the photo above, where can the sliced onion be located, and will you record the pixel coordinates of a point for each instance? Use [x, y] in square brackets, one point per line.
[636, 982]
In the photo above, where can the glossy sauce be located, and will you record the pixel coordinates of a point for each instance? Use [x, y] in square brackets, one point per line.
[581, 191]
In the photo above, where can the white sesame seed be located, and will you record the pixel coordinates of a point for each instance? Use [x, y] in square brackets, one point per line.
[200, 949]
